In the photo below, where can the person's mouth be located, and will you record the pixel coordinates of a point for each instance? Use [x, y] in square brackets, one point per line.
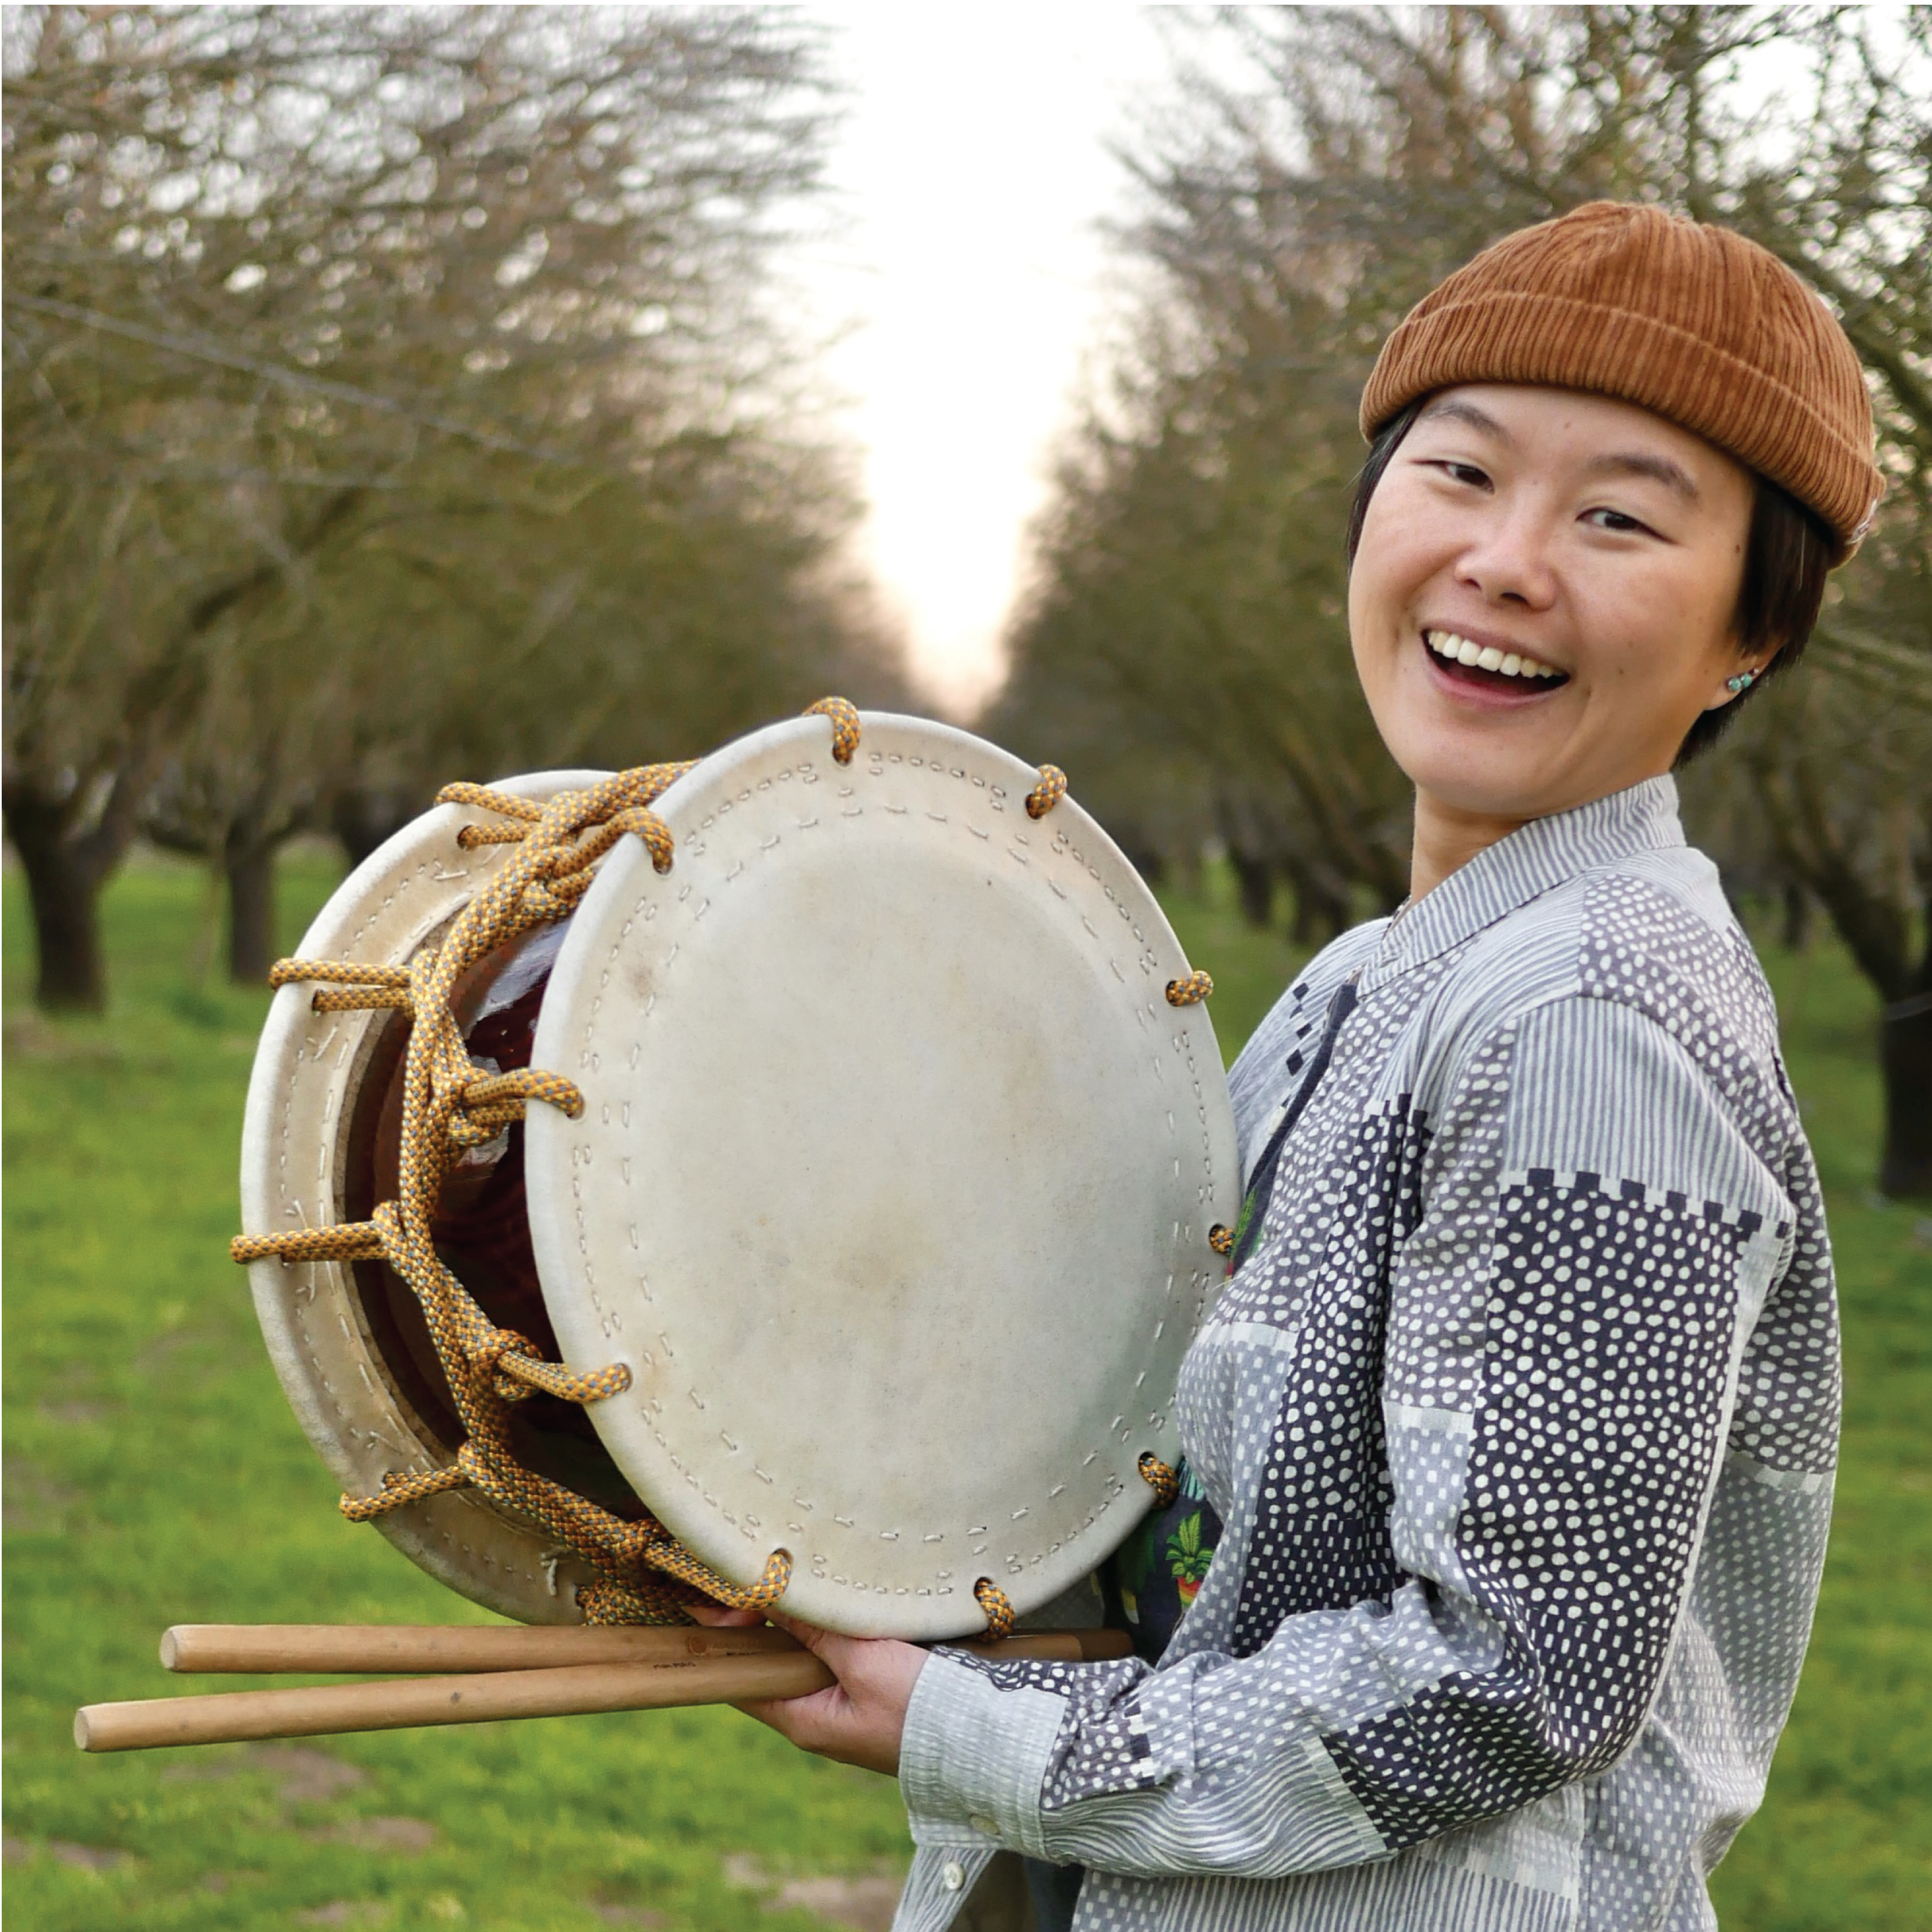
[1470, 662]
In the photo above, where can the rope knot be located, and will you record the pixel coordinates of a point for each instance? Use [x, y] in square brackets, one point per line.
[844, 718]
[1159, 1477]
[1045, 795]
[1190, 991]
[489, 1357]
[996, 1606]
[652, 829]
[487, 1103]
[516, 1370]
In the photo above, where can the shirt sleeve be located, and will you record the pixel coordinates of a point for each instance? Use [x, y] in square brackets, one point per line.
[1593, 1237]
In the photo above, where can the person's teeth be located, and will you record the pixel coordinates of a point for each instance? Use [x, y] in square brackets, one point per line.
[1456, 649]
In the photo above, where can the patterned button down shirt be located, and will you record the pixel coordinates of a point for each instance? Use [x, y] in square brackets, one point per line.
[1520, 1414]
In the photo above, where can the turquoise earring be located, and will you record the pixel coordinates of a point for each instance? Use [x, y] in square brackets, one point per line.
[1743, 681]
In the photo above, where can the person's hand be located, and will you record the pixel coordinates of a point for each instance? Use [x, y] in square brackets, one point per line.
[858, 1720]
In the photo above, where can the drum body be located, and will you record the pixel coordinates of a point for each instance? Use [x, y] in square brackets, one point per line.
[891, 1189]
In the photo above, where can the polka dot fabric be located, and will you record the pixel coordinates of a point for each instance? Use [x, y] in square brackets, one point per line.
[1321, 1536]
[1520, 1415]
[1584, 1496]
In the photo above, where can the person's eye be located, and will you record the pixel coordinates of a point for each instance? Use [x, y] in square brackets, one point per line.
[1618, 522]
[1466, 474]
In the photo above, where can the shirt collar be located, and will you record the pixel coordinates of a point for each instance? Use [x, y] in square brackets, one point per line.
[1528, 862]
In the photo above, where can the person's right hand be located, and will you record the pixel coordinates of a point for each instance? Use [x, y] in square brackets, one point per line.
[860, 1719]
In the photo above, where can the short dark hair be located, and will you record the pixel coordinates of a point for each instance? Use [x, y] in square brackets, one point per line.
[1788, 554]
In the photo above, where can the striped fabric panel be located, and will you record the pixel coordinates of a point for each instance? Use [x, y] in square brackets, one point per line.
[1288, 1812]
[1603, 1090]
[938, 1884]
[965, 1732]
[1409, 1895]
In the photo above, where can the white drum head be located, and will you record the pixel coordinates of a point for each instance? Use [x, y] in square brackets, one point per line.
[893, 1184]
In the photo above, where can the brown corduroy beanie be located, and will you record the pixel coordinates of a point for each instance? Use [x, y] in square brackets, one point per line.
[1693, 322]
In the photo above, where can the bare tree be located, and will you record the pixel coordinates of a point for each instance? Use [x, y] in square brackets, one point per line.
[381, 384]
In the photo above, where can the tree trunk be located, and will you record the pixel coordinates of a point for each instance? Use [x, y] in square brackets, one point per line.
[69, 972]
[1876, 927]
[249, 864]
[1255, 878]
[1322, 909]
[1796, 922]
[65, 869]
[1905, 1061]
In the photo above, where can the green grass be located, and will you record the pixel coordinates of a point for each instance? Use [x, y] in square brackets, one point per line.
[155, 1475]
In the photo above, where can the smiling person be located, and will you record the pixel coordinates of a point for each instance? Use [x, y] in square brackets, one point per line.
[1520, 1405]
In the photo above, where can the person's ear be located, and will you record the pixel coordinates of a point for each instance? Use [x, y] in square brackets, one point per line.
[1742, 677]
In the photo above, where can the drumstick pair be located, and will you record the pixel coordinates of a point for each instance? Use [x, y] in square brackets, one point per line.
[491, 1671]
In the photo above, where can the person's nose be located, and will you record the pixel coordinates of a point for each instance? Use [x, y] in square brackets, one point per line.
[1510, 561]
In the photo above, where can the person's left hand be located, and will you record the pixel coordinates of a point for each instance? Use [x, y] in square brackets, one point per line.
[858, 1720]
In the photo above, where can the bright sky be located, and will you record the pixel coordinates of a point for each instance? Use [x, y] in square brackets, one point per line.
[974, 167]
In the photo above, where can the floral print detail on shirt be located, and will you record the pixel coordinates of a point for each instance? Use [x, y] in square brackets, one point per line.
[1160, 1571]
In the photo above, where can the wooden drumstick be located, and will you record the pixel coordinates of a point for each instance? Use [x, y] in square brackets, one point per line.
[567, 1690]
[323, 1650]
[552, 1691]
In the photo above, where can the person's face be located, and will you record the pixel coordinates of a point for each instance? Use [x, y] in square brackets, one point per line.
[1587, 554]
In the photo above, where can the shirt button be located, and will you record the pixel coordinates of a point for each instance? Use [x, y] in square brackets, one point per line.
[953, 1876]
[985, 1825]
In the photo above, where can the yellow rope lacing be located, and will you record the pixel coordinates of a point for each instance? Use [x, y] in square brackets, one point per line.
[644, 1575]
[1164, 1482]
[1045, 795]
[1190, 991]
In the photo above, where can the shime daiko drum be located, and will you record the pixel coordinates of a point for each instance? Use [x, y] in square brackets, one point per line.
[792, 1177]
